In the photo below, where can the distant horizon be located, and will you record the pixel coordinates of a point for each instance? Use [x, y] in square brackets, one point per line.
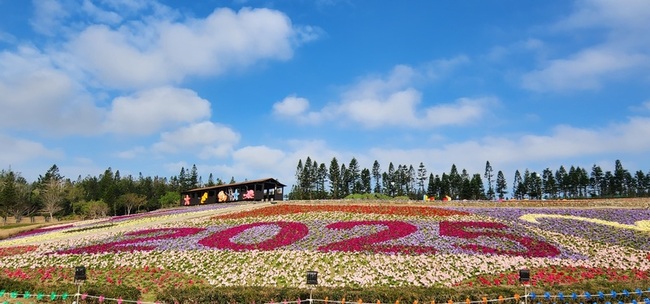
[247, 88]
[203, 179]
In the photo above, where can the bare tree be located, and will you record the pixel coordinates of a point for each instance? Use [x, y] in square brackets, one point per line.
[93, 209]
[52, 196]
[132, 200]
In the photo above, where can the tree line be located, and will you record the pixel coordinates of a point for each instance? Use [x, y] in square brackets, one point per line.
[110, 193]
[53, 195]
[318, 181]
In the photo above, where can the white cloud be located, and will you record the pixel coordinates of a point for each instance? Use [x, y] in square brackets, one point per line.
[35, 96]
[149, 111]
[439, 68]
[291, 106]
[206, 139]
[584, 70]
[504, 53]
[510, 153]
[132, 153]
[623, 15]
[394, 109]
[129, 5]
[622, 50]
[646, 105]
[99, 14]
[7, 37]
[48, 16]
[160, 51]
[18, 151]
[258, 157]
[376, 102]
[253, 162]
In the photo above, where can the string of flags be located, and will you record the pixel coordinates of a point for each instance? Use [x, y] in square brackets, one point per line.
[613, 297]
[53, 296]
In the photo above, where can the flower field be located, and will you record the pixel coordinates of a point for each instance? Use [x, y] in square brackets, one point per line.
[349, 245]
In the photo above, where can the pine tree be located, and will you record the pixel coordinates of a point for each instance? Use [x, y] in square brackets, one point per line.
[210, 181]
[517, 185]
[194, 178]
[365, 181]
[488, 175]
[354, 176]
[431, 187]
[422, 176]
[322, 179]
[595, 180]
[376, 174]
[335, 179]
[549, 184]
[345, 181]
[296, 190]
[391, 179]
[502, 186]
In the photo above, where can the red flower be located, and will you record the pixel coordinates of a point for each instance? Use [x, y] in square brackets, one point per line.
[9, 251]
[367, 209]
[132, 244]
[290, 232]
[371, 242]
[473, 230]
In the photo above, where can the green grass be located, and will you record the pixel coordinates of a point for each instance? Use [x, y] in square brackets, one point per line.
[12, 226]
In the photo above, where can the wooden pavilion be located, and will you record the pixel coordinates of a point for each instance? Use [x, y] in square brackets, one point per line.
[267, 189]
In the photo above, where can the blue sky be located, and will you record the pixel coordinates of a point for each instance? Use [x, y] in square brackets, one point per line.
[245, 89]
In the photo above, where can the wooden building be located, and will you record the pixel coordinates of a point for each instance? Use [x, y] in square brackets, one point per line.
[267, 189]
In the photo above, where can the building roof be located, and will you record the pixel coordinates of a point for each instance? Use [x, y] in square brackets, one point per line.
[244, 183]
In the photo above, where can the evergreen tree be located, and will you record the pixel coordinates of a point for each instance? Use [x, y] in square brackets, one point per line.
[391, 179]
[466, 186]
[526, 184]
[335, 179]
[52, 173]
[488, 176]
[410, 181]
[376, 175]
[345, 181]
[534, 186]
[210, 182]
[583, 181]
[366, 183]
[595, 180]
[639, 178]
[549, 184]
[477, 191]
[8, 193]
[502, 186]
[562, 181]
[354, 176]
[307, 179]
[422, 176]
[322, 179]
[455, 182]
[445, 185]
[297, 191]
[517, 184]
[620, 179]
[431, 187]
[194, 178]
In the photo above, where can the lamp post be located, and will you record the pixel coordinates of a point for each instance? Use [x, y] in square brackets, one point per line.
[79, 278]
[524, 279]
[312, 280]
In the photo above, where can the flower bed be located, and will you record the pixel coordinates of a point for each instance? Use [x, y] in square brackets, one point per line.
[350, 245]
